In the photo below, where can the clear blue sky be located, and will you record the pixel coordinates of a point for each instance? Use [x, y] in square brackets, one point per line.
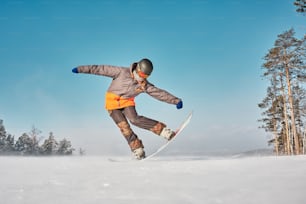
[209, 53]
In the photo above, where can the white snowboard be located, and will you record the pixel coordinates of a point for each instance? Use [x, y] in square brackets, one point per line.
[177, 132]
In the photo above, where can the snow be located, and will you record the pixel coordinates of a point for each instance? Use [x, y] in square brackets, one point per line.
[94, 179]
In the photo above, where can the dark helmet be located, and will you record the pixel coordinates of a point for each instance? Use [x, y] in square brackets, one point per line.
[145, 66]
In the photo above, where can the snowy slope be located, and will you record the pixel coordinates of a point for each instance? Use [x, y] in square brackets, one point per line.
[93, 180]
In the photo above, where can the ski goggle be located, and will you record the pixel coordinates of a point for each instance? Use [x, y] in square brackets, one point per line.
[142, 74]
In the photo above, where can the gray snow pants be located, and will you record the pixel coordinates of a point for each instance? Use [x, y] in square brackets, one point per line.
[123, 116]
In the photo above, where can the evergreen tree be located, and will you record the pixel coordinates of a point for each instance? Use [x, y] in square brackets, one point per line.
[2, 129]
[24, 145]
[6, 141]
[2, 137]
[273, 104]
[65, 148]
[301, 6]
[10, 144]
[50, 145]
[286, 61]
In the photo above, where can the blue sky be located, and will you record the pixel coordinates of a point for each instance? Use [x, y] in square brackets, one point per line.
[209, 53]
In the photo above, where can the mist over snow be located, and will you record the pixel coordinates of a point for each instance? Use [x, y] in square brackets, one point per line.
[210, 180]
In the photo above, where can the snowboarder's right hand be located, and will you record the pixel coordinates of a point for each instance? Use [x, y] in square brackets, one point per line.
[75, 70]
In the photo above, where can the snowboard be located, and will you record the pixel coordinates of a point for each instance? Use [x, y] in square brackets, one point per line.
[177, 132]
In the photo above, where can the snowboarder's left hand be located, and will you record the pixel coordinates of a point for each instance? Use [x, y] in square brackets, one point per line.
[179, 105]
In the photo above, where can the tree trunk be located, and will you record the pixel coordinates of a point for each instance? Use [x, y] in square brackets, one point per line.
[294, 134]
[288, 139]
[304, 141]
[276, 143]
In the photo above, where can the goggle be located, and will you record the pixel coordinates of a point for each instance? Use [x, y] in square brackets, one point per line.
[142, 74]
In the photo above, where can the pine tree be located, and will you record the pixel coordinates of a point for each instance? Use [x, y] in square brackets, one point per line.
[65, 148]
[301, 6]
[286, 61]
[10, 144]
[50, 145]
[6, 141]
[24, 145]
[2, 137]
[273, 114]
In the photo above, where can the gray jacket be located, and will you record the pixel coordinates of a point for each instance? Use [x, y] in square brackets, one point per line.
[124, 84]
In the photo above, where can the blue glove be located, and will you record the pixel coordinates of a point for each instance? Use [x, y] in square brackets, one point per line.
[75, 70]
[179, 105]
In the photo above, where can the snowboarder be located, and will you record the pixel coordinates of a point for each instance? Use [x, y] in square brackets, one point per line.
[127, 83]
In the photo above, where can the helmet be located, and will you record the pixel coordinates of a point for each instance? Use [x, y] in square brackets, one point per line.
[145, 66]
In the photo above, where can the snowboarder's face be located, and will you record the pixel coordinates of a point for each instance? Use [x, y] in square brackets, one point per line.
[137, 77]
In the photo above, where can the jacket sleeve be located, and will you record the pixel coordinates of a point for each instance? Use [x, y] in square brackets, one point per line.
[161, 94]
[104, 70]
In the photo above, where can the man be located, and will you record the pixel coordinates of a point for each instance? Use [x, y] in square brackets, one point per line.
[127, 83]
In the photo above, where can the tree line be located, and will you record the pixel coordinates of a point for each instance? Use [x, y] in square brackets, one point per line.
[29, 144]
[284, 107]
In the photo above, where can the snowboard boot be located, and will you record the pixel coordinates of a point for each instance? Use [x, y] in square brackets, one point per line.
[167, 133]
[139, 153]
